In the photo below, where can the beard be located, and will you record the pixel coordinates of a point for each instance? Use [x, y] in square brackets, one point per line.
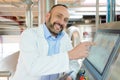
[52, 28]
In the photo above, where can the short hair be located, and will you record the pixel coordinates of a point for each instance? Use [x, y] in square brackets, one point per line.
[57, 5]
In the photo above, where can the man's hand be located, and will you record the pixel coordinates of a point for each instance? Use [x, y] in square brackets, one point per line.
[80, 51]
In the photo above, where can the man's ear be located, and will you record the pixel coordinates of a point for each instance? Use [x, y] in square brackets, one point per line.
[47, 16]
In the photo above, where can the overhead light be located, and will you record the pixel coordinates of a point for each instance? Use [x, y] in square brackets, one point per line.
[76, 16]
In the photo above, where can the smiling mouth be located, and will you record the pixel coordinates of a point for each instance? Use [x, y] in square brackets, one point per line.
[58, 26]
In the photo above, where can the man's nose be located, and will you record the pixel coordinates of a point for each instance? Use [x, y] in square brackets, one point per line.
[62, 22]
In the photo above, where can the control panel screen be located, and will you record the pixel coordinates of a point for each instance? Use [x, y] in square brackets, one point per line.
[100, 53]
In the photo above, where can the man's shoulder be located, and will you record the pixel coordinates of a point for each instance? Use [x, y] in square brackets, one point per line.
[65, 33]
[33, 29]
[65, 37]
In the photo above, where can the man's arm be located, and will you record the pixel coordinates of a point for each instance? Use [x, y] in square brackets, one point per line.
[35, 62]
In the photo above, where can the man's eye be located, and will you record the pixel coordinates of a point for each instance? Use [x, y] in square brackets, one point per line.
[66, 20]
[58, 16]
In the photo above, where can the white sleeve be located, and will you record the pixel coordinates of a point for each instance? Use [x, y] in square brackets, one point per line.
[36, 64]
[74, 65]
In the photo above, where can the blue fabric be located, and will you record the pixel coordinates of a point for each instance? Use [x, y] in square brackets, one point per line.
[54, 45]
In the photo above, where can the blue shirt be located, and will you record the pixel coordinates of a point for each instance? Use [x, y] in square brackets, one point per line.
[54, 45]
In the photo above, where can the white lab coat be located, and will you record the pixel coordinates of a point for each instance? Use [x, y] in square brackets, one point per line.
[33, 60]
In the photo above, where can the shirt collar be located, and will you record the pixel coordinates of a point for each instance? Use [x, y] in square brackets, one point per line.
[47, 33]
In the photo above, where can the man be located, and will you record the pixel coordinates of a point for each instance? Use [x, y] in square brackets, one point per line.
[46, 51]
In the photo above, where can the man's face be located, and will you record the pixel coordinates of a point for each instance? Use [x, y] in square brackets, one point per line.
[57, 20]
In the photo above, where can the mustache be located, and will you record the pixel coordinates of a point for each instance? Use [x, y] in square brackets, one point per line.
[58, 24]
